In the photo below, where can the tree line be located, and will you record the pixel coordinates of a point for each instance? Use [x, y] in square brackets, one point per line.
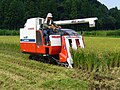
[14, 13]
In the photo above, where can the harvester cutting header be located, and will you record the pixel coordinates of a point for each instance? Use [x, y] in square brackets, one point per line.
[44, 37]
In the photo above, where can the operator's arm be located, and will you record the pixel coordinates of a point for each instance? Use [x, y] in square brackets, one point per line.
[45, 25]
[54, 23]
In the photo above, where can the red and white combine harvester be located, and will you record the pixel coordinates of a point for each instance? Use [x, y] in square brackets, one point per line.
[32, 40]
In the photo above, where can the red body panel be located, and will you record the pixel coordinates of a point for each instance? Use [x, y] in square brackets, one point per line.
[28, 47]
[39, 49]
[63, 55]
[54, 50]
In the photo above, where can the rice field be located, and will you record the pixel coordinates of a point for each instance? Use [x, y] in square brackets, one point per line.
[17, 72]
[95, 67]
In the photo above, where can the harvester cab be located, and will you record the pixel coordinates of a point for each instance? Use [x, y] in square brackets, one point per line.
[32, 39]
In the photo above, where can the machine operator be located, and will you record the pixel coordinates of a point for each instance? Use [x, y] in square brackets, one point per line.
[49, 26]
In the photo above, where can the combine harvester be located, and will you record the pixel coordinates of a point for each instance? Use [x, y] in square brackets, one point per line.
[32, 40]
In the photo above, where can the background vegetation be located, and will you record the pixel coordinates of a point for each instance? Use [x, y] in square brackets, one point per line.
[14, 13]
[103, 33]
[9, 32]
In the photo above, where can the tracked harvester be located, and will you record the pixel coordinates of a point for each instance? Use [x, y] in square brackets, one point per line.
[32, 40]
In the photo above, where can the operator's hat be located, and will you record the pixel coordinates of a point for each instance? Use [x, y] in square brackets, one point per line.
[49, 15]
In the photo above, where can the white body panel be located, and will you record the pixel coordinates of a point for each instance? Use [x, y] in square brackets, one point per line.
[28, 33]
[28, 36]
[74, 44]
[55, 40]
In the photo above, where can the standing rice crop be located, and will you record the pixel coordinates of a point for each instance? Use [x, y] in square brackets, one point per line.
[100, 54]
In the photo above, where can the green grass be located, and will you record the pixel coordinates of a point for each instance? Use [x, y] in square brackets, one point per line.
[17, 72]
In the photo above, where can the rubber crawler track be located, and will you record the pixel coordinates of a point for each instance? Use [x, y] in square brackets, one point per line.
[47, 59]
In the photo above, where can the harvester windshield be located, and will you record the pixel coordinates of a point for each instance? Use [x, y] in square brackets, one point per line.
[70, 31]
[66, 32]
